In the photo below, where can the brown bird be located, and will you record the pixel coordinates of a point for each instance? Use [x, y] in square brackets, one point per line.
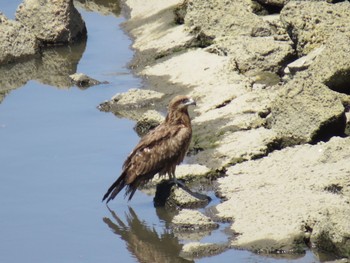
[159, 151]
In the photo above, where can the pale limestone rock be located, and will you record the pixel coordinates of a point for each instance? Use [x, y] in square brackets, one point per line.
[311, 23]
[191, 220]
[16, 41]
[52, 22]
[287, 193]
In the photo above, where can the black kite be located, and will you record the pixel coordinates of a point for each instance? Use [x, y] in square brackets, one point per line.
[159, 151]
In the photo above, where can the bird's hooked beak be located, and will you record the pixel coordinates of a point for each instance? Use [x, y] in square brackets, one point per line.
[190, 101]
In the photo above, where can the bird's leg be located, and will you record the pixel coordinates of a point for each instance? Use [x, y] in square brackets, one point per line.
[177, 182]
[174, 180]
[185, 188]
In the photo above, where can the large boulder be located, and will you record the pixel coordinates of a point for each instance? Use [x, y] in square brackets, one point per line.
[252, 42]
[257, 54]
[306, 111]
[332, 65]
[305, 198]
[53, 22]
[16, 42]
[233, 132]
[225, 18]
[311, 23]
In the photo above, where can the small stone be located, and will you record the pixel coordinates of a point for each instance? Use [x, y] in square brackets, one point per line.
[197, 250]
[84, 81]
[303, 62]
[136, 98]
[192, 220]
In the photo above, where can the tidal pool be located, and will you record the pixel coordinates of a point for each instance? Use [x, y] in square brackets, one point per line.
[59, 154]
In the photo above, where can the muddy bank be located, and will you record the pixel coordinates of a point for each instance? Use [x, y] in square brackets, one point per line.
[270, 117]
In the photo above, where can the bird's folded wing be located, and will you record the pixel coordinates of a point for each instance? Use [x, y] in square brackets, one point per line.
[161, 147]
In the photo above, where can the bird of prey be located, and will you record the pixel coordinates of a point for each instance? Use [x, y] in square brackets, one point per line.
[159, 151]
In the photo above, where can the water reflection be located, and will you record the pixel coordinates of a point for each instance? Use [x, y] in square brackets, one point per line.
[104, 7]
[56, 64]
[52, 68]
[143, 241]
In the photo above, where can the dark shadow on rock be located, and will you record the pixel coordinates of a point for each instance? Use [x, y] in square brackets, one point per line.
[172, 195]
[339, 82]
[334, 127]
[143, 241]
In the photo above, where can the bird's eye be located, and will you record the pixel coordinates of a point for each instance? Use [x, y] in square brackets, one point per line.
[184, 100]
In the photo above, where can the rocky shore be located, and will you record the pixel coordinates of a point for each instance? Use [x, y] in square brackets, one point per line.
[272, 121]
[271, 83]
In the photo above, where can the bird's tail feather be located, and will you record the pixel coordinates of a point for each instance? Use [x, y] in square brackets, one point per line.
[115, 188]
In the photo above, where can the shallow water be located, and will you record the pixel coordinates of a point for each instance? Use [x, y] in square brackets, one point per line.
[59, 154]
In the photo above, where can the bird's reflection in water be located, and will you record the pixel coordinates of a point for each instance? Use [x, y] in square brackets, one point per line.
[144, 242]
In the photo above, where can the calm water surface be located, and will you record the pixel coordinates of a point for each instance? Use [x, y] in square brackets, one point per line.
[59, 154]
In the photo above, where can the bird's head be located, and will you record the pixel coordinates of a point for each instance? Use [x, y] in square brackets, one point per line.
[180, 103]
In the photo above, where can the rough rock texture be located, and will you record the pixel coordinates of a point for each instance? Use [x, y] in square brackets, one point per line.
[311, 23]
[84, 81]
[317, 112]
[233, 132]
[197, 250]
[236, 147]
[185, 199]
[246, 37]
[135, 98]
[136, 105]
[307, 190]
[303, 62]
[16, 41]
[332, 65]
[238, 19]
[148, 121]
[52, 22]
[250, 54]
[175, 197]
[191, 220]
